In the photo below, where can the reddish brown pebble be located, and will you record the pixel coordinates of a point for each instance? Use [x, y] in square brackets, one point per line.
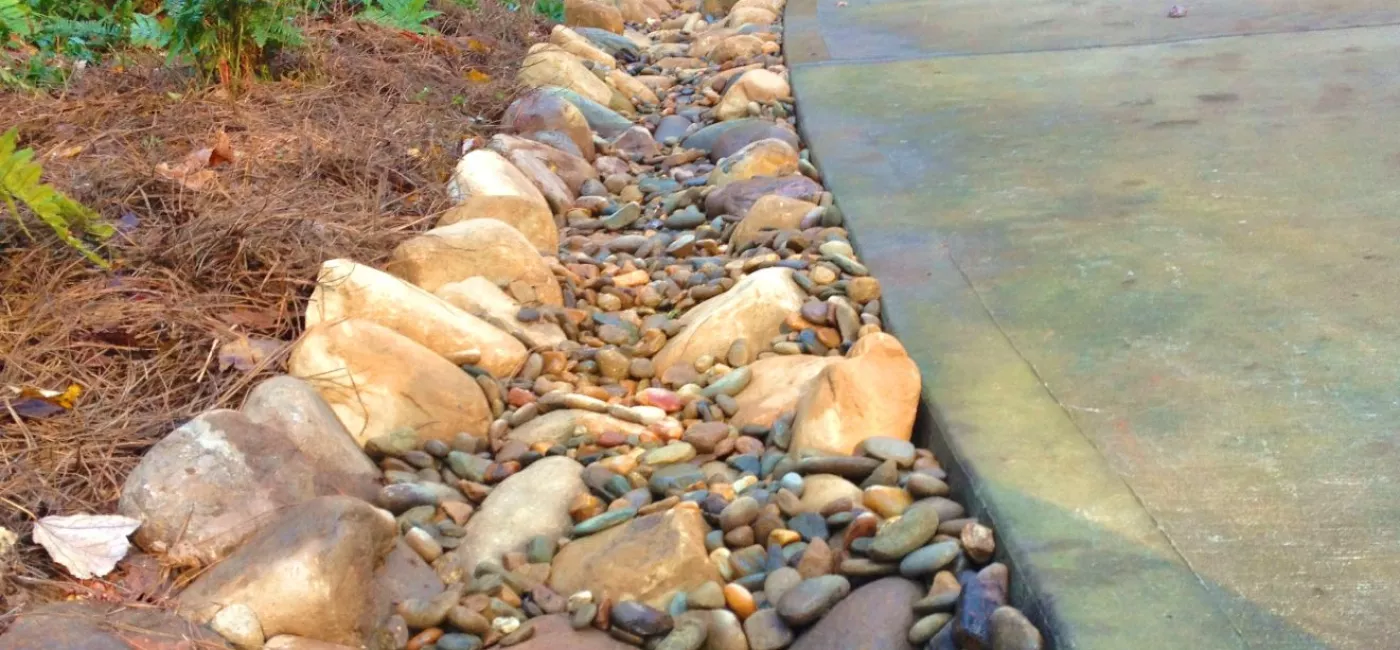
[611, 439]
[424, 638]
[740, 601]
[519, 397]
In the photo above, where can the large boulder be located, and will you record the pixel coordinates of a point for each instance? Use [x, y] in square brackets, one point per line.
[347, 290]
[873, 392]
[820, 490]
[771, 157]
[771, 212]
[634, 90]
[748, 131]
[210, 483]
[536, 157]
[606, 121]
[738, 198]
[593, 13]
[647, 559]
[559, 426]
[379, 381]
[533, 502]
[874, 617]
[483, 172]
[550, 65]
[777, 385]
[760, 86]
[570, 41]
[307, 574]
[753, 310]
[483, 299]
[294, 408]
[538, 110]
[92, 625]
[534, 220]
[479, 247]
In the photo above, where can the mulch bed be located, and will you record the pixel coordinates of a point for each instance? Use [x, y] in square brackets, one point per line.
[344, 155]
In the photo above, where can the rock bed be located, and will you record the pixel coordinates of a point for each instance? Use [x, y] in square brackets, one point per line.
[633, 391]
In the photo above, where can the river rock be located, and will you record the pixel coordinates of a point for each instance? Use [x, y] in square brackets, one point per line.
[742, 15]
[210, 483]
[480, 247]
[754, 309]
[347, 290]
[559, 426]
[771, 212]
[903, 536]
[821, 490]
[753, 86]
[92, 625]
[483, 172]
[812, 598]
[777, 384]
[1011, 630]
[771, 157]
[631, 88]
[740, 46]
[533, 502]
[748, 131]
[553, 632]
[290, 642]
[534, 220]
[738, 198]
[482, 298]
[874, 617]
[767, 631]
[538, 110]
[606, 121]
[647, 559]
[294, 408]
[573, 170]
[309, 573]
[873, 392]
[550, 65]
[591, 13]
[378, 381]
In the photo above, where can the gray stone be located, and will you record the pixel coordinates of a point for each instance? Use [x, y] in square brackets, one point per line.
[292, 406]
[1011, 630]
[876, 616]
[766, 631]
[928, 560]
[811, 598]
[903, 536]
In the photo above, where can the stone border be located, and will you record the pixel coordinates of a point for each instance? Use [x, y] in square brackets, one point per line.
[1089, 566]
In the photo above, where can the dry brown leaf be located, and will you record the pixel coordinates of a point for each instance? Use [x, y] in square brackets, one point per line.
[478, 77]
[86, 545]
[245, 354]
[252, 319]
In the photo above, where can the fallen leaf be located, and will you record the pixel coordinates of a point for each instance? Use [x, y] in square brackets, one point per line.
[87, 545]
[245, 354]
[477, 46]
[193, 172]
[477, 77]
[252, 319]
[222, 151]
[32, 403]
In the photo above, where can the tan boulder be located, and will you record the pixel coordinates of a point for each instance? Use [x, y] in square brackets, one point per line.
[378, 381]
[770, 212]
[573, 170]
[874, 391]
[532, 219]
[289, 642]
[753, 309]
[659, 7]
[558, 426]
[769, 157]
[819, 490]
[655, 82]
[483, 172]
[741, 46]
[480, 298]
[754, 86]
[556, 192]
[716, 8]
[308, 574]
[635, 11]
[294, 408]
[570, 41]
[549, 65]
[705, 42]
[775, 6]
[533, 502]
[750, 15]
[347, 290]
[777, 384]
[647, 559]
[537, 111]
[634, 90]
[588, 13]
[210, 483]
[480, 247]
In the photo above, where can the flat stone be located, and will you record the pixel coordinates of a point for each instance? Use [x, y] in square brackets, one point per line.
[647, 559]
[554, 633]
[558, 426]
[91, 625]
[812, 598]
[739, 197]
[903, 536]
[640, 619]
[294, 408]
[689, 634]
[766, 631]
[928, 560]
[1011, 630]
[819, 491]
[885, 448]
[850, 467]
[478, 247]
[876, 616]
[753, 309]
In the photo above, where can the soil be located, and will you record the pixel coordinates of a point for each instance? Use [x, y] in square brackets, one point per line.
[344, 155]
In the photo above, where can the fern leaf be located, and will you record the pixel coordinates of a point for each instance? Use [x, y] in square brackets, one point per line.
[20, 183]
[14, 18]
[147, 31]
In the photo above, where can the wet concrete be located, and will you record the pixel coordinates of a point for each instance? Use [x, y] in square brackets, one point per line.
[1146, 265]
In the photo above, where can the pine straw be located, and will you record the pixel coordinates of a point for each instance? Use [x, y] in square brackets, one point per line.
[344, 159]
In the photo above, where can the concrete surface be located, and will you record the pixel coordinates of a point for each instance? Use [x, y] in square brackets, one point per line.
[1147, 268]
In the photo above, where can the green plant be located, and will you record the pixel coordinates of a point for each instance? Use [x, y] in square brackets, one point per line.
[230, 38]
[20, 182]
[407, 15]
[551, 9]
[14, 19]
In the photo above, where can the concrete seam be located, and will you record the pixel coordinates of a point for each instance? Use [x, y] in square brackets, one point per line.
[1069, 416]
[876, 60]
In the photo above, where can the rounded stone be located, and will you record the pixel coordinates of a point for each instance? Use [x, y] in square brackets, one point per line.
[766, 631]
[928, 560]
[810, 599]
[904, 535]
[1011, 630]
[779, 582]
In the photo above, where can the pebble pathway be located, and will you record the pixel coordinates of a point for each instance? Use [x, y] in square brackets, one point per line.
[680, 428]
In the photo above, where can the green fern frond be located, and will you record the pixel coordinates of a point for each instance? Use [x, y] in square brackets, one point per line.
[20, 183]
[407, 15]
[14, 19]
